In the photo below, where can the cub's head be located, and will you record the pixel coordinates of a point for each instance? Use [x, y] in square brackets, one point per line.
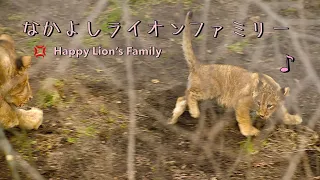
[21, 93]
[267, 96]
[7, 38]
[15, 64]
[12, 66]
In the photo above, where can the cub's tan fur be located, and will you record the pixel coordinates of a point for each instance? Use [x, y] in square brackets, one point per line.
[233, 87]
[15, 88]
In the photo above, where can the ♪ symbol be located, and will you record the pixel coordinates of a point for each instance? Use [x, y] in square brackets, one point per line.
[37, 49]
[287, 69]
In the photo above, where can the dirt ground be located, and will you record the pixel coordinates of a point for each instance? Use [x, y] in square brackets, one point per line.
[86, 118]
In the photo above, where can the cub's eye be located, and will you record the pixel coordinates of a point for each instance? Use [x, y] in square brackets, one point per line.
[258, 103]
[269, 106]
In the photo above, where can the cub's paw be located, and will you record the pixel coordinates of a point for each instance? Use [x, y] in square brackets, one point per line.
[194, 113]
[30, 119]
[292, 119]
[172, 121]
[252, 131]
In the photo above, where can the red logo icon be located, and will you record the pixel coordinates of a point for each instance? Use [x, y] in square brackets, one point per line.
[37, 48]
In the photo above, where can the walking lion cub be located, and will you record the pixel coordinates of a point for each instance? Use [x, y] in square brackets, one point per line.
[233, 87]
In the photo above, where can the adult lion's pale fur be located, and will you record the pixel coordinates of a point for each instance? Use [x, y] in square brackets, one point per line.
[233, 87]
[15, 88]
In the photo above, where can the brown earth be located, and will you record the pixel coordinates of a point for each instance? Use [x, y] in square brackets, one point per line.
[85, 134]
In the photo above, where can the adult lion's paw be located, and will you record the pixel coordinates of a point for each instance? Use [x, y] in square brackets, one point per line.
[30, 119]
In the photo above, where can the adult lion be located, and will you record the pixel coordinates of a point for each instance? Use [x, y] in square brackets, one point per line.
[15, 89]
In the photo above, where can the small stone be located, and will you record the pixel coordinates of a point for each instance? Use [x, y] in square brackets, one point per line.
[155, 81]
[255, 18]
[9, 157]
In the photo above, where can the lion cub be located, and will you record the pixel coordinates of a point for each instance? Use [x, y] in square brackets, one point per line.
[233, 87]
[15, 88]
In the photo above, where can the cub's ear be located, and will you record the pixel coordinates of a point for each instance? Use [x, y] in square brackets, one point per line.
[26, 61]
[23, 62]
[285, 91]
[6, 37]
[260, 83]
[256, 79]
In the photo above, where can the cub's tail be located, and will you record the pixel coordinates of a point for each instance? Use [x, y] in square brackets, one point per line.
[186, 43]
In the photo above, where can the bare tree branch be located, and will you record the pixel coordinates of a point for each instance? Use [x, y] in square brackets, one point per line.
[132, 96]
[8, 151]
[14, 159]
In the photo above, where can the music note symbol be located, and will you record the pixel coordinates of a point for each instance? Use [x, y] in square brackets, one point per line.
[287, 69]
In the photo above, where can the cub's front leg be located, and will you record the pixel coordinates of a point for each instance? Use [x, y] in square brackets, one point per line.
[30, 119]
[8, 117]
[243, 117]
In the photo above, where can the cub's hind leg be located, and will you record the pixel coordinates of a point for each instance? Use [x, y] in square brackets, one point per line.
[192, 101]
[180, 107]
[243, 117]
